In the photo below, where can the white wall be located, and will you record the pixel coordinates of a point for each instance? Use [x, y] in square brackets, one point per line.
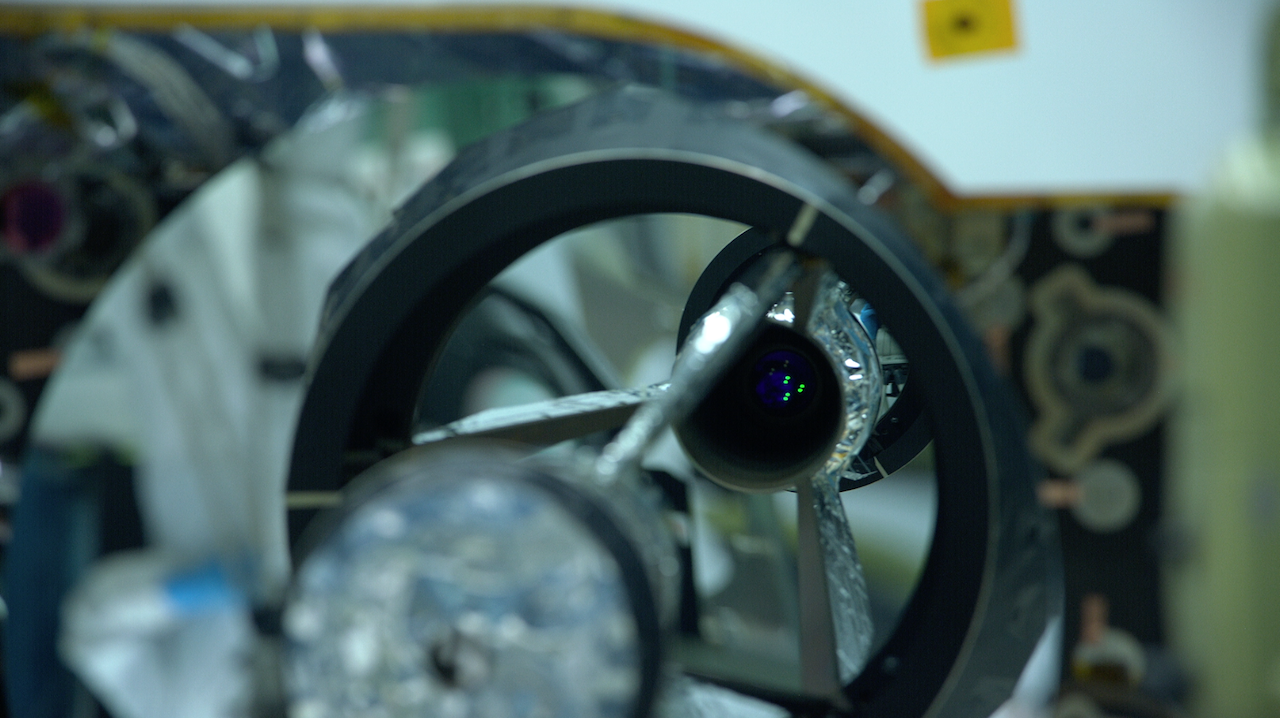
[1136, 95]
[1102, 94]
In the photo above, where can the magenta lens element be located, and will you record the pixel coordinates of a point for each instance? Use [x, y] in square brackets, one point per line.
[33, 217]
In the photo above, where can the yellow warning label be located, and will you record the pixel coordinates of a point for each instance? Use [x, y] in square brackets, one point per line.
[961, 27]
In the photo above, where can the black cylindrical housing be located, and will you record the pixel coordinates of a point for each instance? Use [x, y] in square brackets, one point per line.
[744, 436]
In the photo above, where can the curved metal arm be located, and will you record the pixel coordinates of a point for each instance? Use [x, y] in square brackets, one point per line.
[712, 345]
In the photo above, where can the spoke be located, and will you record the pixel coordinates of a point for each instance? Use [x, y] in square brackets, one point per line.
[707, 352]
[835, 616]
[819, 672]
[712, 345]
[805, 291]
[548, 422]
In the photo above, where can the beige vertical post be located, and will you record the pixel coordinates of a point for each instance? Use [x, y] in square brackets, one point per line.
[1223, 502]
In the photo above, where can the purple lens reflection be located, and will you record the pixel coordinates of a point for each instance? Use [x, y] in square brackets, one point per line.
[784, 382]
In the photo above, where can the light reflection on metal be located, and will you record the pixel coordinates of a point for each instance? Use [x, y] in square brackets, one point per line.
[833, 326]
[836, 629]
[320, 58]
[548, 422]
[846, 584]
[713, 344]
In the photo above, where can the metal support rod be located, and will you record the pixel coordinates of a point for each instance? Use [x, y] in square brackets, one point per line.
[835, 614]
[548, 422]
[819, 674]
[712, 345]
[836, 630]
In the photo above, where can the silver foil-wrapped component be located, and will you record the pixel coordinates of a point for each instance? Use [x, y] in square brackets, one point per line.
[465, 584]
[846, 344]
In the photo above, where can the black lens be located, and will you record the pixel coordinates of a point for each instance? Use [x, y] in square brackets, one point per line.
[772, 417]
[784, 382]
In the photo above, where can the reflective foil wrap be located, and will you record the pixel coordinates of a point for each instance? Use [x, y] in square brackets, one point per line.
[846, 582]
[837, 331]
[462, 588]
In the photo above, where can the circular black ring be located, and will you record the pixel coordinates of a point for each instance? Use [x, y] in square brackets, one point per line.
[900, 435]
[981, 601]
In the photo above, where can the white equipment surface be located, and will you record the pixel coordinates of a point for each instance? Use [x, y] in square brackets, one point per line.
[1139, 96]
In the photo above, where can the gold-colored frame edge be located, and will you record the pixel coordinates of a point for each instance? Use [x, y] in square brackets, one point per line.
[27, 20]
